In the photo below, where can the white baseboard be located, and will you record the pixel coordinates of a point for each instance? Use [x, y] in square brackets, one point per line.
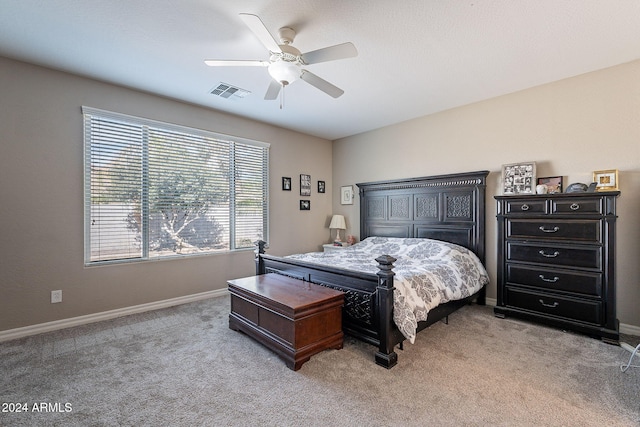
[624, 328]
[40, 328]
[629, 329]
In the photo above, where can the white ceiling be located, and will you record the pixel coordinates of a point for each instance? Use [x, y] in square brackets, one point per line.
[416, 57]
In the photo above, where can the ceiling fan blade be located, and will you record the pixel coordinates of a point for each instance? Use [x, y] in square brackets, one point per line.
[321, 84]
[255, 24]
[273, 90]
[339, 51]
[235, 63]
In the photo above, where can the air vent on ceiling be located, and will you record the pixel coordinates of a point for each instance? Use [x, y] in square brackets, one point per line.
[225, 90]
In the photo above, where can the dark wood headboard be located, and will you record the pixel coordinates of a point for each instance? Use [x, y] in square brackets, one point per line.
[444, 207]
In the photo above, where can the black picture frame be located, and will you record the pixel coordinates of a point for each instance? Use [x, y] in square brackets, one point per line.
[286, 183]
[321, 186]
[305, 205]
[305, 184]
[553, 183]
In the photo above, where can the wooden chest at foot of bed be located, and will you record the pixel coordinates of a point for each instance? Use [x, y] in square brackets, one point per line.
[295, 319]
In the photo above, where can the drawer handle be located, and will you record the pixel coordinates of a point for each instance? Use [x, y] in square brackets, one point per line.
[554, 305]
[544, 254]
[574, 207]
[524, 207]
[549, 230]
[554, 280]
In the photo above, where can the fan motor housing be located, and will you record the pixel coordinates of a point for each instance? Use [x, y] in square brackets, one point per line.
[286, 35]
[288, 54]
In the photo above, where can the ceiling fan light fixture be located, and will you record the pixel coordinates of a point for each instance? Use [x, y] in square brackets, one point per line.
[286, 62]
[284, 72]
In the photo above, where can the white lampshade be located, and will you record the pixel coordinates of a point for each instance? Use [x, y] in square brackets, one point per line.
[284, 72]
[338, 222]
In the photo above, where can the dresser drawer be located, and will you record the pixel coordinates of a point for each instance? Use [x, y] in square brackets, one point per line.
[577, 206]
[586, 230]
[556, 279]
[574, 256]
[519, 206]
[569, 308]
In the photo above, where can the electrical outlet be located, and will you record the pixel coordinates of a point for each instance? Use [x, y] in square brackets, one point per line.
[56, 296]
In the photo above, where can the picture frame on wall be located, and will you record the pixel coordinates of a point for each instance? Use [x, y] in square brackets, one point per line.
[305, 205]
[286, 183]
[553, 183]
[305, 185]
[519, 178]
[321, 186]
[346, 195]
[606, 180]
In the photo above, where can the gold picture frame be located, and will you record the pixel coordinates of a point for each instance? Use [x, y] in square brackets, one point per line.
[606, 180]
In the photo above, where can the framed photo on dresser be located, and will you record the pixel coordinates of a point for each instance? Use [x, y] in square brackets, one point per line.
[553, 183]
[606, 180]
[519, 178]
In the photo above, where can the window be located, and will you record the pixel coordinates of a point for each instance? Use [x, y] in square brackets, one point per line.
[155, 190]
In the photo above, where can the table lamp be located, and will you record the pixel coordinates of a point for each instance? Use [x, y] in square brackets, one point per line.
[337, 222]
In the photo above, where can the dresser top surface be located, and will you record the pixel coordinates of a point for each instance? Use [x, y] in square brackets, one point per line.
[558, 195]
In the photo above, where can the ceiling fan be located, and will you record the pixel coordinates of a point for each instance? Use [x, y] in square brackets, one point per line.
[286, 62]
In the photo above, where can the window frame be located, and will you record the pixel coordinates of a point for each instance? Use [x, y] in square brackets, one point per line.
[145, 123]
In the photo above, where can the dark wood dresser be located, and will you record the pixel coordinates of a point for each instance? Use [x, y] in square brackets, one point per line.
[556, 261]
[293, 318]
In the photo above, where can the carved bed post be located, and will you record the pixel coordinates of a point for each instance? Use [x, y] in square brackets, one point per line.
[385, 356]
[260, 246]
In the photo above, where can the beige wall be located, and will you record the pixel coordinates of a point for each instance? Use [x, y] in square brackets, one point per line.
[569, 128]
[41, 199]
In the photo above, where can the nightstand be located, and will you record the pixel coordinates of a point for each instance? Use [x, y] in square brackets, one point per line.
[329, 247]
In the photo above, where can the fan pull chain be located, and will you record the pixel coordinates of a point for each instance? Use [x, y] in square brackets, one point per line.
[282, 96]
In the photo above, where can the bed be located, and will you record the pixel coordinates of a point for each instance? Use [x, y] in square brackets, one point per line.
[445, 208]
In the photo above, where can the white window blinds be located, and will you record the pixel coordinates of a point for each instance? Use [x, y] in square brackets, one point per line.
[156, 190]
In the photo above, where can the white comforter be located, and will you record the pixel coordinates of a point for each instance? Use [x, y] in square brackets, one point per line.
[428, 273]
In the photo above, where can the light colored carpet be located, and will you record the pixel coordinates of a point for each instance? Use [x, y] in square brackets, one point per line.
[183, 366]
